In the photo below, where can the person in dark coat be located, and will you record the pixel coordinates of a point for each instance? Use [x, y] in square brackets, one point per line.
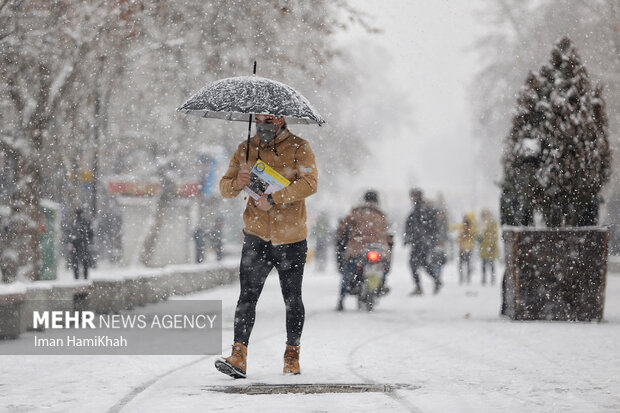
[422, 234]
[341, 246]
[80, 238]
[200, 236]
[215, 238]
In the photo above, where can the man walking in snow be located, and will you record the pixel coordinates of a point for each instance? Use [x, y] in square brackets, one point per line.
[421, 234]
[274, 235]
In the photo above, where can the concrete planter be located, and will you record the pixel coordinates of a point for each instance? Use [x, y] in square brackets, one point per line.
[154, 291]
[133, 293]
[81, 297]
[104, 296]
[69, 297]
[107, 297]
[555, 274]
[36, 299]
[11, 306]
[141, 296]
[179, 284]
[61, 298]
[222, 276]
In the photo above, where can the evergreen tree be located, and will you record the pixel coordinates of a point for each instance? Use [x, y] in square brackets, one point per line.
[557, 154]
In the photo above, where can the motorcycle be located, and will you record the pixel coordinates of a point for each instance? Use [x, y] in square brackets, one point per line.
[369, 276]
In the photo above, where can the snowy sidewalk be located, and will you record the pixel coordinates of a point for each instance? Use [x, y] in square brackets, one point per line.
[453, 349]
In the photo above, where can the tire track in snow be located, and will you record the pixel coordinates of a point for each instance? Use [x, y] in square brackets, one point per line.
[133, 393]
[449, 349]
[393, 394]
[118, 407]
[408, 324]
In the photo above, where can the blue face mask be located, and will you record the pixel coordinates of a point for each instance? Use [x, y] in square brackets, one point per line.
[266, 131]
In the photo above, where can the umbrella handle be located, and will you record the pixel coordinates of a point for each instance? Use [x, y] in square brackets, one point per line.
[247, 147]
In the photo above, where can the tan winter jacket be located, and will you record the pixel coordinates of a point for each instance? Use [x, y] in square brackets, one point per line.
[292, 157]
[364, 225]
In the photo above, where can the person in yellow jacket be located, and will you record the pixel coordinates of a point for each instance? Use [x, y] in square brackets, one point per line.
[467, 242]
[274, 235]
[489, 240]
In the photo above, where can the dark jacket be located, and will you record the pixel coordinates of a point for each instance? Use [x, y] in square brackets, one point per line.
[421, 229]
[81, 235]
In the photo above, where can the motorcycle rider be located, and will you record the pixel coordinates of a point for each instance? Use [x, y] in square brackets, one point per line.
[365, 224]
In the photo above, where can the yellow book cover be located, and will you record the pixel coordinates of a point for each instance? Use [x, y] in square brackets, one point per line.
[264, 180]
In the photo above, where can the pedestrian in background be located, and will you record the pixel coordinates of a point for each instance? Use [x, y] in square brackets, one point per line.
[200, 243]
[215, 238]
[421, 234]
[439, 253]
[80, 238]
[489, 240]
[322, 234]
[467, 242]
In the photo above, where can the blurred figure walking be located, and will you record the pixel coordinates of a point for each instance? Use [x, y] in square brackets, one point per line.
[422, 234]
[439, 254]
[467, 242]
[322, 234]
[200, 243]
[489, 240]
[215, 238]
[80, 238]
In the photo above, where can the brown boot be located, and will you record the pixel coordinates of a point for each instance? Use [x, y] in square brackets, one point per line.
[291, 360]
[235, 365]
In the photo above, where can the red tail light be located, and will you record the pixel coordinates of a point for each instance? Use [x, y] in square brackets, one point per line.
[374, 256]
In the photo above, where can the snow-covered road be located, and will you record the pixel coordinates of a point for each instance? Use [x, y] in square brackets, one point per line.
[453, 350]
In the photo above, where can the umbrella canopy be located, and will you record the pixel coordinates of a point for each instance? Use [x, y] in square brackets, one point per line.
[235, 98]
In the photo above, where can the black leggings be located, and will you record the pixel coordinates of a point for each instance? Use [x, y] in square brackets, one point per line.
[258, 257]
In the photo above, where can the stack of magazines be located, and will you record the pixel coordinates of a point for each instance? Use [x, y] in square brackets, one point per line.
[264, 180]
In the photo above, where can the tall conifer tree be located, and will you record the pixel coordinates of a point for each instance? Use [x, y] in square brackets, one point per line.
[557, 154]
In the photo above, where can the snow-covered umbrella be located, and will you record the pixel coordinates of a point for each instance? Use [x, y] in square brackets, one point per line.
[235, 98]
[238, 98]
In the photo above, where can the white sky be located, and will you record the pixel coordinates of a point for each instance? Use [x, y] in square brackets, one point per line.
[430, 42]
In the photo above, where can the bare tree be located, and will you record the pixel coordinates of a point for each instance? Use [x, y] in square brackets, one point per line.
[79, 77]
[43, 47]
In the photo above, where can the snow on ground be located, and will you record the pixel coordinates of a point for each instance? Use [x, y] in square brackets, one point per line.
[453, 349]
